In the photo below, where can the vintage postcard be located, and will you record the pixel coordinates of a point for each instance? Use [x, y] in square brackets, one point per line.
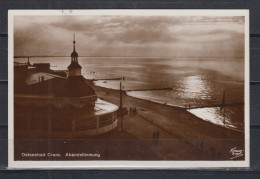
[111, 89]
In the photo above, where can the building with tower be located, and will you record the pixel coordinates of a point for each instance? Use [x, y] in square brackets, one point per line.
[74, 68]
[51, 106]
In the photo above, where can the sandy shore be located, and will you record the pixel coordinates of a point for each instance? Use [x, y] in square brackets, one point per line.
[183, 136]
[177, 122]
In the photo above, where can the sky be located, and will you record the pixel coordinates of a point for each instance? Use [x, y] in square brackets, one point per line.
[132, 36]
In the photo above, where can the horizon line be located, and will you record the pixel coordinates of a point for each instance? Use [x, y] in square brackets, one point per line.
[44, 56]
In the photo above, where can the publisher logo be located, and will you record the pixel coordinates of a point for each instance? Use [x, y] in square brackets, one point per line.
[236, 153]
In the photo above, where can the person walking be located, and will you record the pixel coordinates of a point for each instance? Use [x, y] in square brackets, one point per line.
[154, 136]
[157, 136]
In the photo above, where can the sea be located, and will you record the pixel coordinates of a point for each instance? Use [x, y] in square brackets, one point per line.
[196, 84]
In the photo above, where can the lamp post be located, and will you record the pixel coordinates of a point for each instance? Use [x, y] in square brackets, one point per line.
[121, 107]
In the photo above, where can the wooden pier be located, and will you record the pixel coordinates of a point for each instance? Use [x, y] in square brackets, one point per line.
[214, 105]
[149, 89]
[108, 79]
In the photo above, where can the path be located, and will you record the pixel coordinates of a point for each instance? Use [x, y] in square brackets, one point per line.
[169, 147]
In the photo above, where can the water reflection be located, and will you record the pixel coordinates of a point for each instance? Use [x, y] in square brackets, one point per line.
[216, 116]
[194, 87]
[190, 86]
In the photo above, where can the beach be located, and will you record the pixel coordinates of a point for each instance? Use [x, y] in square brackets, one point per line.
[180, 135]
[174, 123]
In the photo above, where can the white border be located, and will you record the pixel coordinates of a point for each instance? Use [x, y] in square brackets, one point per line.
[123, 164]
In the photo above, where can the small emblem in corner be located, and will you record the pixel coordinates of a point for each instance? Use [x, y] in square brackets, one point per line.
[236, 153]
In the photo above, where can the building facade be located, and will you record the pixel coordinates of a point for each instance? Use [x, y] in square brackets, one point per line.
[52, 106]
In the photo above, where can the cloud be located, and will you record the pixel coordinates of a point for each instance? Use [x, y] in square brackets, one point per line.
[130, 35]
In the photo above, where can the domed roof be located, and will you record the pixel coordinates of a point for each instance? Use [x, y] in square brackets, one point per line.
[74, 54]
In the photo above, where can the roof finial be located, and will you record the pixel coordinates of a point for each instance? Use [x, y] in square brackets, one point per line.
[74, 42]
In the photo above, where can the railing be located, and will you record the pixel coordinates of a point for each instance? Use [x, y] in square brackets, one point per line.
[58, 102]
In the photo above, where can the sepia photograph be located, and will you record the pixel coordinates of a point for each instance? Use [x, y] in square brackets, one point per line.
[128, 88]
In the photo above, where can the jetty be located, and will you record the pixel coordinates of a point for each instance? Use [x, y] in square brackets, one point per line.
[214, 105]
[149, 89]
[107, 79]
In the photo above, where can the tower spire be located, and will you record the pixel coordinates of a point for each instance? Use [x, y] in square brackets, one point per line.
[74, 42]
[74, 68]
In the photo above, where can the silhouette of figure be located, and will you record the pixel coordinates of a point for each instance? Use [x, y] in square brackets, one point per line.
[154, 136]
[157, 135]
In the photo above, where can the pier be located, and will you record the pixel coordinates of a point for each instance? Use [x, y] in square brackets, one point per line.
[149, 89]
[107, 79]
[214, 105]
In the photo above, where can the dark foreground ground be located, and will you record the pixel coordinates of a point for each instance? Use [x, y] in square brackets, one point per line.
[182, 136]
